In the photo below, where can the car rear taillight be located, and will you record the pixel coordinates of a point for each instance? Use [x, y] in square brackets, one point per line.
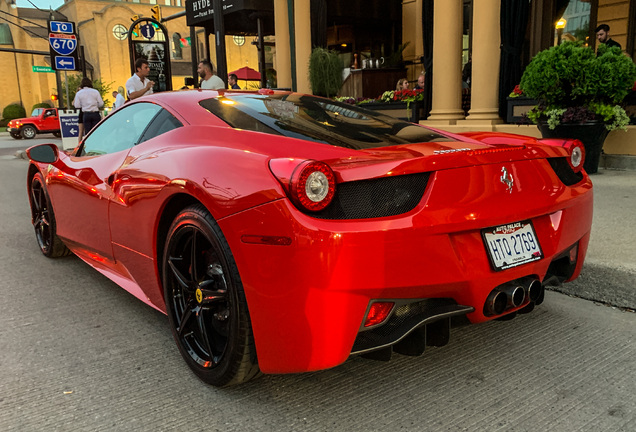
[577, 155]
[378, 312]
[313, 185]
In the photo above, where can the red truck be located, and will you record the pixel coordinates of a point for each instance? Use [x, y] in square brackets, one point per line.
[42, 120]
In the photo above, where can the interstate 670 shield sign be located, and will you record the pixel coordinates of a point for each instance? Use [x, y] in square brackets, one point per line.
[63, 45]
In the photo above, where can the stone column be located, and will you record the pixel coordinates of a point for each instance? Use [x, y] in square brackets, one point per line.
[447, 63]
[302, 20]
[419, 31]
[484, 107]
[283, 56]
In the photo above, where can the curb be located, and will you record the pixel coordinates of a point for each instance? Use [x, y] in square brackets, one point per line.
[618, 162]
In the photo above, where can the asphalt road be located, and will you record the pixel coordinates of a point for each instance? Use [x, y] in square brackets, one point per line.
[79, 353]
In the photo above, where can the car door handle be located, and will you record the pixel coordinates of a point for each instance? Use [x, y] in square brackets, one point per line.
[111, 179]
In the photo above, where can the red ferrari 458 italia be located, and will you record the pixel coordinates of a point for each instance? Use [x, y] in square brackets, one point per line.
[283, 232]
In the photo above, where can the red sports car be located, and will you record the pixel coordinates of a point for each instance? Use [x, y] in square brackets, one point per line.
[283, 232]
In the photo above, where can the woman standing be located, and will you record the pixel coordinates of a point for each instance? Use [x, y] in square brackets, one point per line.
[90, 101]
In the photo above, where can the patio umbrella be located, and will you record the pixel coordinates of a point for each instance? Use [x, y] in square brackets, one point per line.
[247, 74]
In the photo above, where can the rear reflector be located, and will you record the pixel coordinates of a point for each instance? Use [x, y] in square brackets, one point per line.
[266, 240]
[378, 312]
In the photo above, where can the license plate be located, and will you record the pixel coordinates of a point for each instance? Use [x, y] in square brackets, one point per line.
[511, 245]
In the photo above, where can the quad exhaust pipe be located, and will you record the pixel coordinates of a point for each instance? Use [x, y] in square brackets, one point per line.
[514, 294]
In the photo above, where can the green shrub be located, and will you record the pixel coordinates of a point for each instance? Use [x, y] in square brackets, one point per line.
[13, 111]
[41, 105]
[325, 72]
[568, 76]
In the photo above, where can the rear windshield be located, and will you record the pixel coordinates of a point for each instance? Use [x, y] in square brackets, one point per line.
[316, 119]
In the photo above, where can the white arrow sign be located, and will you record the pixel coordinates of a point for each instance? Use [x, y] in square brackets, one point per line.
[73, 130]
[64, 62]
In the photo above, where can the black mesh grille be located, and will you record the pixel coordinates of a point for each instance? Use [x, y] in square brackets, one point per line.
[563, 170]
[405, 318]
[365, 199]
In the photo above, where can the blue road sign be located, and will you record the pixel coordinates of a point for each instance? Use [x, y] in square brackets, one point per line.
[147, 31]
[64, 63]
[69, 126]
[62, 43]
[61, 27]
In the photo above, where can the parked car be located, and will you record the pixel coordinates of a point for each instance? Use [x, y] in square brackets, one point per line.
[283, 232]
[42, 120]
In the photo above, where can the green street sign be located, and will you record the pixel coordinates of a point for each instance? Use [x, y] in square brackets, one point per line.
[43, 69]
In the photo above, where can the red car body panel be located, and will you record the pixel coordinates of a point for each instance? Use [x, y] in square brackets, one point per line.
[307, 300]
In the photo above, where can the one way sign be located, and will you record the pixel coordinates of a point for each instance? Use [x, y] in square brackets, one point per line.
[64, 63]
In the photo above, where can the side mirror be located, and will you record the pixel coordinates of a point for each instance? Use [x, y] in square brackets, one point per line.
[43, 153]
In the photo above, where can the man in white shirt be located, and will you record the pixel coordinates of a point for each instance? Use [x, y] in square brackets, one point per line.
[90, 101]
[138, 85]
[209, 80]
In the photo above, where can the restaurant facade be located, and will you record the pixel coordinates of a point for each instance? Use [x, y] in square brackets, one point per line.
[479, 47]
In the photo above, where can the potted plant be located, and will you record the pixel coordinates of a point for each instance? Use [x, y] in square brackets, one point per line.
[402, 104]
[325, 72]
[578, 94]
[518, 105]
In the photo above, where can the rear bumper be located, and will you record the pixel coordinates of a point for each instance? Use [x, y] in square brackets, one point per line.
[308, 300]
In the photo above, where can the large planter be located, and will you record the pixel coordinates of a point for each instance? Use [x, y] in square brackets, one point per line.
[396, 109]
[592, 135]
[517, 107]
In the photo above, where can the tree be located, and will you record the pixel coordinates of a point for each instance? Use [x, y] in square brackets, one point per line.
[74, 81]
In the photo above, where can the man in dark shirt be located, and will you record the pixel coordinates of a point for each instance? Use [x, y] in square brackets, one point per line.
[420, 82]
[602, 35]
[232, 78]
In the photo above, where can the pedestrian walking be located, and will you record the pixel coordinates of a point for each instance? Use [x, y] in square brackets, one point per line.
[89, 101]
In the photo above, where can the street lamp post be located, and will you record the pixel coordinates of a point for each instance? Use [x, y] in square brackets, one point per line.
[560, 25]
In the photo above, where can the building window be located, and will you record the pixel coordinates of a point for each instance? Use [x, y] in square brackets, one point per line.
[175, 45]
[5, 35]
[577, 21]
[168, 2]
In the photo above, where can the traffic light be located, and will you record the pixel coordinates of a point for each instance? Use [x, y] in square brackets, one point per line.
[136, 31]
[54, 97]
[156, 12]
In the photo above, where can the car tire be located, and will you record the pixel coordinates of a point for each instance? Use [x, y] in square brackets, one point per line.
[57, 134]
[205, 301]
[16, 135]
[43, 220]
[28, 132]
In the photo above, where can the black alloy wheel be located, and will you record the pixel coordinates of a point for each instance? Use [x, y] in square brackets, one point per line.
[43, 220]
[28, 132]
[205, 301]
[57, 134]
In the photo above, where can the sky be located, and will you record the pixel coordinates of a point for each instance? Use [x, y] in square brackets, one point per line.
[42, 4]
